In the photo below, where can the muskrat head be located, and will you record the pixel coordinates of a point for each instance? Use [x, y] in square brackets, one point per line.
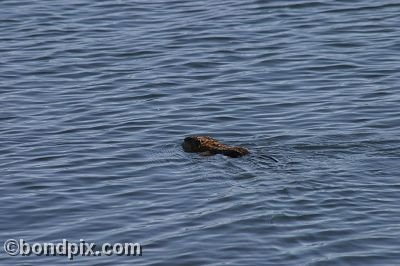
[191, 144]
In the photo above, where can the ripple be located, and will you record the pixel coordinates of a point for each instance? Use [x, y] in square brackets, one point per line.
[97, 96]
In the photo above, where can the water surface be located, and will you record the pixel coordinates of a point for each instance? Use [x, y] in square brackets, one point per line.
[96, 97]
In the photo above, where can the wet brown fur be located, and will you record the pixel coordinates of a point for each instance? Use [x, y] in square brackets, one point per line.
[210, 146]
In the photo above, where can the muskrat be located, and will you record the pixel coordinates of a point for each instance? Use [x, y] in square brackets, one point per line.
[208, 146]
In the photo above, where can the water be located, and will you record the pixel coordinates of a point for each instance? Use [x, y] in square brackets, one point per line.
[96, 97]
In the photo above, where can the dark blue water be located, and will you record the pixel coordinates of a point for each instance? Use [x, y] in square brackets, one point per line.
[96, 97]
